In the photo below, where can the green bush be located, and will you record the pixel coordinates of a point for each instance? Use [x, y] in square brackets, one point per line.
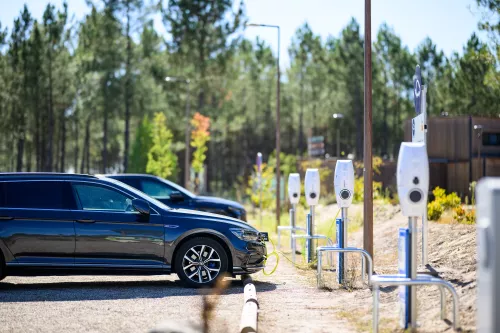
[459, 214]
[434, 210]
[439, 193]
[470, 217]
[451, 201]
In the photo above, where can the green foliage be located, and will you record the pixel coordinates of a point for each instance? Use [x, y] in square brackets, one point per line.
[253, 189]
[359, 190]
[141, 146]
[459, 214]
[443, 202]
[434, 210]
[199, 138]
[162, 161]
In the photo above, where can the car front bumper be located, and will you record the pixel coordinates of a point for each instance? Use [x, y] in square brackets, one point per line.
[251, 260]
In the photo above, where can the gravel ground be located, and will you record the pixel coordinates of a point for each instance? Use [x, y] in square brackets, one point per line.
[110, 304]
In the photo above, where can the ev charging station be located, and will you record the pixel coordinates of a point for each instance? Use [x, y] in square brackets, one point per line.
[312, 188]
[344, 191]
[488, 278]
[294, 196]
[419, 134]
[413, 185]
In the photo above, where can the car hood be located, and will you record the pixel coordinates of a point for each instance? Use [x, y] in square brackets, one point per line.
[196, 214]
[219, 201]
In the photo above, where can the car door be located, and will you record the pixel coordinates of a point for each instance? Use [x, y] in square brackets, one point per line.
[162, 191]
[36, 222]
[110, 233]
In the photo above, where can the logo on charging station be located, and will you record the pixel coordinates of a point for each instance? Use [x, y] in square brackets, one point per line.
[417, 90]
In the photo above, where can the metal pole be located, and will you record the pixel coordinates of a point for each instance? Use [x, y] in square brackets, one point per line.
[187, 172]
[260, 200]
[338, 141]
[292, 231]
[278, 150]
[313, 247]
[344, 241]
[308, 238]
[367, 170]
[479, 171]
[412, 225]
[425, 231]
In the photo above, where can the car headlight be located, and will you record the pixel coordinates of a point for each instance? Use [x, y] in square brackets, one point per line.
[245, 234]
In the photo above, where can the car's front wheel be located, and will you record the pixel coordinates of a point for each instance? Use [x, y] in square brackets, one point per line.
[200, 262]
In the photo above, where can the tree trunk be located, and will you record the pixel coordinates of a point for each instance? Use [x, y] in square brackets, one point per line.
[63, 142]
[77, 138]
[104, 154]
[86, 146]
[128, 93]
[50, 122]
[385, 128]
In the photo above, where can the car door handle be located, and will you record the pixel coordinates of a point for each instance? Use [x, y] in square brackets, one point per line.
[85, 221]
[6, 218]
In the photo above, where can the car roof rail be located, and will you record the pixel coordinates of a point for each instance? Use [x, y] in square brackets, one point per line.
[44, 175]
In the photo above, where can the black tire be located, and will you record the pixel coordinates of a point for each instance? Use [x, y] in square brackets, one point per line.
[196, 272]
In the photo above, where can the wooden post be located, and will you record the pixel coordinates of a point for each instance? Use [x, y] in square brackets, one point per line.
[250, 308]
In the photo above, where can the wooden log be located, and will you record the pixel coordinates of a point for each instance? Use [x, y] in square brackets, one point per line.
[250, 309]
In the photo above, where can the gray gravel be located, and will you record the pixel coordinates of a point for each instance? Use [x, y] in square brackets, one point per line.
[110, 304]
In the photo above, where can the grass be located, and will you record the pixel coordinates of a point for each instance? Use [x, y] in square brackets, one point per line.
[361, 323]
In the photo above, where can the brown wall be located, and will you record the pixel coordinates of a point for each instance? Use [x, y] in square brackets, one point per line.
[448, 137]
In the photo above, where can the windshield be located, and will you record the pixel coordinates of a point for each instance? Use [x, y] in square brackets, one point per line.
[136, 192]
[179, 188]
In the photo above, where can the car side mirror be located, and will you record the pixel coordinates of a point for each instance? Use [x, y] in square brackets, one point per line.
[142, 206]
[176, 196]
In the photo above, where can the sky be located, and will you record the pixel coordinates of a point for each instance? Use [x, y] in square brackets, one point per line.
[449, 23]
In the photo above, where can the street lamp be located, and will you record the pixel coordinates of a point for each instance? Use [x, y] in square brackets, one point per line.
[186, 151]
[278, 171]
[479, 129]
[338, 116]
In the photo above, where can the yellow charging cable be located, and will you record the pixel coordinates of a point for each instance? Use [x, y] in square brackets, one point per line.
[276, 253]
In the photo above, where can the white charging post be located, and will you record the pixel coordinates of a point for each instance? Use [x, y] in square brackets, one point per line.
[344, 189]
[294, 196]
[413, 186]
[312, 192]
[419, 134]
[488, 234]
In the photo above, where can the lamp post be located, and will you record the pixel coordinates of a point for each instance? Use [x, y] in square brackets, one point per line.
[479, 129]
[278, 171]
[367, 169]
[338, 116]
[186, 151]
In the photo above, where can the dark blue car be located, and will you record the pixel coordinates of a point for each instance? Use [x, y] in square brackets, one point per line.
[176, 196]
[62, 224]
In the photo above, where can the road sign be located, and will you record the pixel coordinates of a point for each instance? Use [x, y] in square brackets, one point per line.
[417, 90]
[404, 269]
[316, 146]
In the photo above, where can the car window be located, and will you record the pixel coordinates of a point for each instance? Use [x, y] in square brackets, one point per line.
[155, 189]
[131, 182]
[34, 194]
[94, 197]
[2, 203]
